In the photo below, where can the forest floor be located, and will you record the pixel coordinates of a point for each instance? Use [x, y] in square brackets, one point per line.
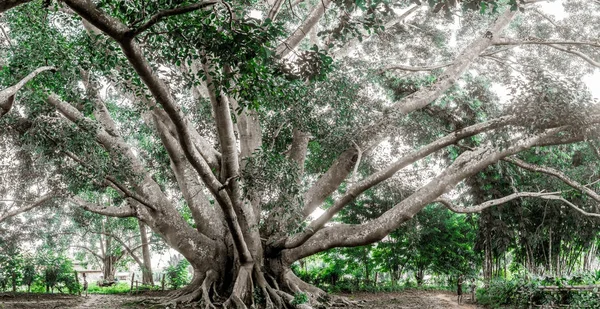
[410, 299]
[92, 301]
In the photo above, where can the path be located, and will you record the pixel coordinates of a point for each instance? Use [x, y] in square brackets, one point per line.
[91, 301]
[409, 299]
[450, 302]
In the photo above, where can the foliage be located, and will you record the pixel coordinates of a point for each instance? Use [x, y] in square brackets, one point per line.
[523, 290]
[300, 298]
[57, 272]
[178, 275]
[29, 273]
[119, 288]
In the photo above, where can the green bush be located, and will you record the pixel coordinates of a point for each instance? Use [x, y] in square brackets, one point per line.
[519, 291]
[29, 274]
[57, 272]
[119, 288]
[177, 276]
[299, 299]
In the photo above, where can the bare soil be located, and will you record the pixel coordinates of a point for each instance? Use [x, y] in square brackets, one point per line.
[92, 301]
[411, 299]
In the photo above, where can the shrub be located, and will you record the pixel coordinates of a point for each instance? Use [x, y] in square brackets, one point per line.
[523, 289]
[177, 276]
[300, 298]
[120, 288]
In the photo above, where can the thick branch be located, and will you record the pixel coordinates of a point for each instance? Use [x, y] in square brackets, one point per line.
[371, 135]
[389, 171]
[311, 20]
[274, 11]
[106, 23]
[478, 208]
[547, 196]
[220, 105]
[555, 173]
[205, 216]
[171, 12]
[540, 41]
[466, 165]
[414, 69]
[26, 208]
[299, 149]
[162, 95]
[111, 211]
[6, 5]
[7, 96]
[578, 54]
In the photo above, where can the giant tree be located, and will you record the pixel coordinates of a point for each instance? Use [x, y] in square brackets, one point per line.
[224, 125]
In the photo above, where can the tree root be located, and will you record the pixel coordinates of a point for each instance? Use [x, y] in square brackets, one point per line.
[251, 289]
[195, 292]
[242, 287]
[196, 281]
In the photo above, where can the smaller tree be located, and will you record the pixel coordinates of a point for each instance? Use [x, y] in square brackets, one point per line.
[58, 273]
[29, 273]
[10, 265]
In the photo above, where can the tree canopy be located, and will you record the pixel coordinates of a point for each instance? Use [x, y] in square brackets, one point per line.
[224, 125]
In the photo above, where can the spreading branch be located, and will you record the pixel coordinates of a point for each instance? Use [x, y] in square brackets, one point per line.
[111, 211]
[413, 69]
[45, 198]
[466, 165]
[311, 20]
[6, 5]
[378, 177]
[478, 208]
[540, 41]
[369, 136]
[171, 12]
[7, 96]
[543, 195]
[579, 54]
[557, 174]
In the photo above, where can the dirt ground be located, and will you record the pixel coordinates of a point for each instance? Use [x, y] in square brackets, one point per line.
[411, 299]
[395, 300]
[92, 301]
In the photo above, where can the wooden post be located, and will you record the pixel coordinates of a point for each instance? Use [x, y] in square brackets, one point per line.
[137, 288]
[77, 281]
[132, 278]
[162, 282]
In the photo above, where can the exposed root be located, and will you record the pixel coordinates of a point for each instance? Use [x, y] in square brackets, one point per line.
[241, 289]
[207, 285]
[272, 300]
[190, 288]
[195, 292]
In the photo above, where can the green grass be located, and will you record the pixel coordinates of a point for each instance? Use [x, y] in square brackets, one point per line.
[119, 288]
